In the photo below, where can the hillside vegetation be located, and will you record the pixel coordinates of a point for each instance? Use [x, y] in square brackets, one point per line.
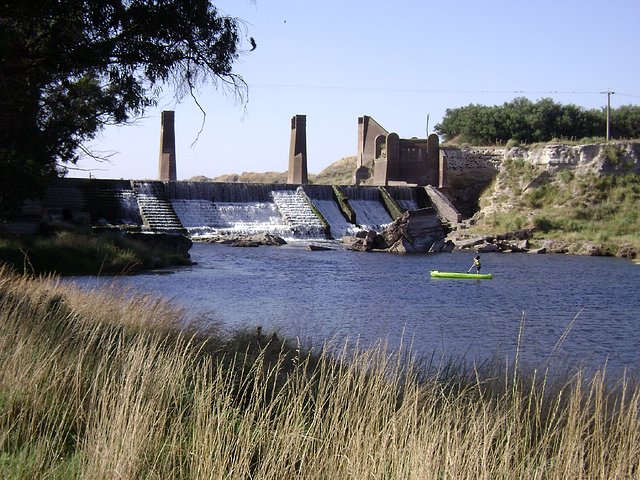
[338, 173]
[569, 206]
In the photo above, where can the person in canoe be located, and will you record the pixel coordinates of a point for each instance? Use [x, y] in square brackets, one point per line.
[476, 263]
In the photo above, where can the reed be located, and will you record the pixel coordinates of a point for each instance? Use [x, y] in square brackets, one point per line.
[113, 385]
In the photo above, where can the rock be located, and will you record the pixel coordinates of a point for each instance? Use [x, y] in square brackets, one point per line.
[538, 250]
[555, 246]
[243, 243]
[626, 251]
[448, 246]
[414, 231]
[402, 246]
[356, 243]
[592, 249]
[523, 234]
[418, 229]
[513, 247]
[267, 239]
[487, 248]
[318, 248]
[469, 242]
[247, 240]
[437, 246]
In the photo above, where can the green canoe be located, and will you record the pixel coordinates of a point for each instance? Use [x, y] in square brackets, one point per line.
[437, 274]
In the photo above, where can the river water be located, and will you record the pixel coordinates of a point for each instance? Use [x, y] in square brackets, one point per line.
[593, 303]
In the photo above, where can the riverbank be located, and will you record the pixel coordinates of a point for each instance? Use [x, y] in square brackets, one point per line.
[588, 209]
[101, 384]
[91, 252]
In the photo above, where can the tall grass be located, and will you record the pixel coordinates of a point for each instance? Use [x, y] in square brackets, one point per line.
[108, 385]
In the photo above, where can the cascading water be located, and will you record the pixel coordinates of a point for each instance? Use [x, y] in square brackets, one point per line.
[203, 217]
[207, 208]
[404, 196]
[323, 199]
[243, 209]
[294, 208]
[370, 211]
[129, 208]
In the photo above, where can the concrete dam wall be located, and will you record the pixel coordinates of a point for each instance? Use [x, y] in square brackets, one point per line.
[211, 208]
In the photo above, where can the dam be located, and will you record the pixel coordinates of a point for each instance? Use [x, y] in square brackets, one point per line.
[201, 209]
[402, 175]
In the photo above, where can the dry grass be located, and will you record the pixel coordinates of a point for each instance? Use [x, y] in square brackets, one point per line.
[106, 385]
[339, 172]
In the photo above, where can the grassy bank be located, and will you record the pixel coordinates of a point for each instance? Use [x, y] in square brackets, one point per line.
[82, 252]
[106, 385]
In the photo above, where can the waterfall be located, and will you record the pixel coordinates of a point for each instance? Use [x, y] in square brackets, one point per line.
[129, 209]
[203, 217]
[243, 209]
[323, 199]
[404, 196]
[370, 211]
[294, 208]
[155, 209]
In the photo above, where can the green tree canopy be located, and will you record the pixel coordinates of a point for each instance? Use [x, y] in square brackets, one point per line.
[70, 67]
[528, 122]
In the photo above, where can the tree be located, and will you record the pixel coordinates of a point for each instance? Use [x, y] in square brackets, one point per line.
[528, 122]
[70, 67]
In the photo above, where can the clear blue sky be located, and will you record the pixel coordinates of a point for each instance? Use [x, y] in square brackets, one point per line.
[336, 60]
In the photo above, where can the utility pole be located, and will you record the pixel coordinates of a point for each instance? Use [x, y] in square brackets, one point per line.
[609, 93]
[427, 125]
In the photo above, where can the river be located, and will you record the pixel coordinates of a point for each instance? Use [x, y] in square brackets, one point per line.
[331, 295]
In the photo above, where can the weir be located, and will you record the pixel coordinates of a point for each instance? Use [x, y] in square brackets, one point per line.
[215, 208]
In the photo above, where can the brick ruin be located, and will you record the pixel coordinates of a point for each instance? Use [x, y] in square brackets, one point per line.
[383, 157]
[386, 159]
[297, 173]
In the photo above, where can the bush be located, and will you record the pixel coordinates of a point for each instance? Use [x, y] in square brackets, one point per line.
[84, 253]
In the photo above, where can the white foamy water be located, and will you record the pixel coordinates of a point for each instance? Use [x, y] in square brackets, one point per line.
[202, 217]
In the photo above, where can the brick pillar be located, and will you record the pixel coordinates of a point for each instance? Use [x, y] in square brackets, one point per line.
[298, 151]
[433, 160]
[167, 163]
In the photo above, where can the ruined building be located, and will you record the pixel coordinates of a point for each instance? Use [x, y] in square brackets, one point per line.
[386, 159]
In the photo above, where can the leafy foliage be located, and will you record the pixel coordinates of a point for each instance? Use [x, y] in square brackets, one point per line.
[70, 67]
[523, 121]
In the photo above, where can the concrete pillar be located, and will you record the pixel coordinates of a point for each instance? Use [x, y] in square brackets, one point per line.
[167, 163]
[297, 174]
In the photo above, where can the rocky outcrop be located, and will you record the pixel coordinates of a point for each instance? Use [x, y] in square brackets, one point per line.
[255, 240]
[521, 242]
[470, 170]
[415, 231]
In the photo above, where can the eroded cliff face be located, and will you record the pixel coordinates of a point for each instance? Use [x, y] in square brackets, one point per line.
[598, 158]
[471, 171]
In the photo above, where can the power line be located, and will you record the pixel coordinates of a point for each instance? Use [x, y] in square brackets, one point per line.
[427, 90]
